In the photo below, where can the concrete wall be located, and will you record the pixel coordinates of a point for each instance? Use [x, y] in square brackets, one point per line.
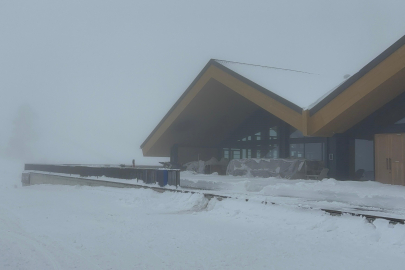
[33, 178]
[38, 178]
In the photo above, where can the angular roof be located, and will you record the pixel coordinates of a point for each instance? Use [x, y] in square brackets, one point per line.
[215, 88]
[367, 68]
[322, 107]
[298, 87]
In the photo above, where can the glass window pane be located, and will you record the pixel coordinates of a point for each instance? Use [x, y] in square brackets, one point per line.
[235, 154]
[258, 154]
[297, 150]
[226, 153]
[273, 153]
[243, 153]
[295, 133]
[249, 153]
[314, 151]
[364, 159]
[273, 133]
[258, 136]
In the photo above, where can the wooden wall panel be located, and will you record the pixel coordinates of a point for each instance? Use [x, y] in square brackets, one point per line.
[382, 154]
[397, 159]
[390, 158]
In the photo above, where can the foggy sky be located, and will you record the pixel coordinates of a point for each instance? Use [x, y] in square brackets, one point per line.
[100, 75]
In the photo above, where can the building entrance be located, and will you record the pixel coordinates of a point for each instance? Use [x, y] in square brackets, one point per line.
[389, 158]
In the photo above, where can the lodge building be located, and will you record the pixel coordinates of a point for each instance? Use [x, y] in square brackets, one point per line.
[357, 129]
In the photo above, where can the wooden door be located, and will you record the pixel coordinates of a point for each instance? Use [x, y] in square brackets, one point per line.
[390, 158]
[382, 154]
[396, 160]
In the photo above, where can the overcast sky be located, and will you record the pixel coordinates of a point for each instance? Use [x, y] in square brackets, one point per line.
[99, 75]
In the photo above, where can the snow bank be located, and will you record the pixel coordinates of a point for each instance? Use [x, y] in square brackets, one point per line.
[329, 193]
[254, 167]
[199, 166]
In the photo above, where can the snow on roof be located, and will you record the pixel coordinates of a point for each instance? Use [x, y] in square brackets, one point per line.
[301, 88]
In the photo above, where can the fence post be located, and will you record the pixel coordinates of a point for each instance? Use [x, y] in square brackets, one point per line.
[177, 178]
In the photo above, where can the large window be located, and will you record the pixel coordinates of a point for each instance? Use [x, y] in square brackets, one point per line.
[236, 153]
[273, 134]
[314, 151]
[312, 148]
[364, 159]
[273, 151]
[297, 150]
[255, 144]
[225, 154]
[246, 153]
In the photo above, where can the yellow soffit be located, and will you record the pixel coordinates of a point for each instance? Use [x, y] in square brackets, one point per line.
[266, 102]
[358, 91]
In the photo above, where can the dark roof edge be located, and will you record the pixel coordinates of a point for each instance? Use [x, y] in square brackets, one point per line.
[265, 91]
[384, 55]
[234, 74]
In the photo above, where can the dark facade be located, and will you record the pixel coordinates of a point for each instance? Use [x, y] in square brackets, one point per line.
[265, 136]
[357, 130]
[354, 150]
[349, 155]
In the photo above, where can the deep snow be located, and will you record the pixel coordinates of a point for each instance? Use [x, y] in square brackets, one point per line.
[65, 227]
[360, 197]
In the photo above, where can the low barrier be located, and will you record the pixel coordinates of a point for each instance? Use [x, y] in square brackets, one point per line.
[35, 178]
[160, 176]
[29, 178]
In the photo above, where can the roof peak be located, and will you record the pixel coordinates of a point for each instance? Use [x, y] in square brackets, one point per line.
[262, 66]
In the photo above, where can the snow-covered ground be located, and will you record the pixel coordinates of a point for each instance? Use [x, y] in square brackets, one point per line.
[361, 197]
[68, 227]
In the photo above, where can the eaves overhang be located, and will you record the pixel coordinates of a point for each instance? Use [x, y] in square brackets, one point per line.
[374, 85]
[350, 81]
[269, 101]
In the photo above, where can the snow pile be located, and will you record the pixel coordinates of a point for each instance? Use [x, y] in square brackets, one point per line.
[253, 167]
[328, 193]
[195, 166]
[200, 165]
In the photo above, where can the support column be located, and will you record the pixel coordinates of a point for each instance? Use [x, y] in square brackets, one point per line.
[339, 157]
[174, 154]
[284, 136]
